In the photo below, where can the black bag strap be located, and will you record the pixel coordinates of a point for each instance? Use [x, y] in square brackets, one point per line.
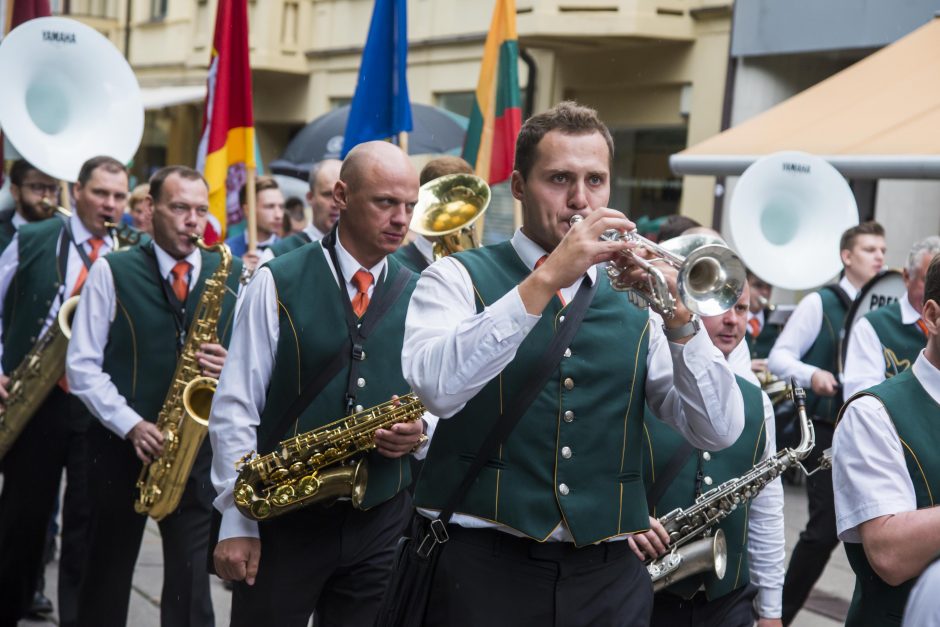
[668, 475]
[411, 251]
[508, 420]
[840, 294]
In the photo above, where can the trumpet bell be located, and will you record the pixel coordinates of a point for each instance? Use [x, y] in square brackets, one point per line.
[711, 280]
[449, 203]
[68, 95]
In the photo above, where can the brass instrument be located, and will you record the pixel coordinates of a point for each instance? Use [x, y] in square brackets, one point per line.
[184, 417]
[35, 376]
[306, 468]
[447, 208]
[123, 235]
[688, 527]
[710, 281]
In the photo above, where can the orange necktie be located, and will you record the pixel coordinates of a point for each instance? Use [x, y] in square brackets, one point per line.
[96, 243]
[360, 302]
[923, 326]
[754, 323]
[557, 292]
[180, 280]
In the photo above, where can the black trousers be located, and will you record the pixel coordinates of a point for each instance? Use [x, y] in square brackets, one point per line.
[336, 560]
[735, 609]
[817, 541]
[487, 577]
[115, 532]
[32, 472]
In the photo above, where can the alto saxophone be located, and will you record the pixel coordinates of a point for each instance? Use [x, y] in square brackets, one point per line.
[184, 417]
[693, 548]
[301, 470]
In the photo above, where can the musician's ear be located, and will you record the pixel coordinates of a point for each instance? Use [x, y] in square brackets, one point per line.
[931, 316]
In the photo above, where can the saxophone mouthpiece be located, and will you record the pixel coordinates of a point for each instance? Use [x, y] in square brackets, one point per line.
[799, 395]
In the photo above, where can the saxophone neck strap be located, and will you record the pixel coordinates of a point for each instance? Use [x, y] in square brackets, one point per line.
[411, 251]
[178, 308]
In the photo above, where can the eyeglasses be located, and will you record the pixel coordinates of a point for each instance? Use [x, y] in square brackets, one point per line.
[182, 209]
[42, 188]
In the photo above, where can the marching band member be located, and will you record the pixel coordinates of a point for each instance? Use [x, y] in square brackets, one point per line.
[45, 264]
[323, 177]
[419, 254]
[885, 470]
[29, 186]
[335, 560]
[887, 340]
[808, 350]
[128, 331]
[761, 335]
[754, 533]
[269, 213]
[529, 544]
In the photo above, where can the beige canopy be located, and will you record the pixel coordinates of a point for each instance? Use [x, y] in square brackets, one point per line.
[879, 118]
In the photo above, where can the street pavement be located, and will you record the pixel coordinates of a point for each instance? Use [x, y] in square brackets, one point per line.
[830, 596]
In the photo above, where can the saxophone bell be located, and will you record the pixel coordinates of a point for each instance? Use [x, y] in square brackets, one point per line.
[710, 554]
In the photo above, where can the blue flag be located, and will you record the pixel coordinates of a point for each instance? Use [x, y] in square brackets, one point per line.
[380, 107]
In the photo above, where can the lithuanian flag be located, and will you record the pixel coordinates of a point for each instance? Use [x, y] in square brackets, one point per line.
[227, 147]
[497, 115]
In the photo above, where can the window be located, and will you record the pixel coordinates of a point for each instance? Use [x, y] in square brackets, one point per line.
[157, 9]
[459, 102]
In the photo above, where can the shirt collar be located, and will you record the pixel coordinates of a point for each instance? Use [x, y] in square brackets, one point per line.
[928, 376]
[166, 262]
[425, 247]
[530, 253]
[81, 234]
[847, 286]
[909, 315]
[18, 220]
[314, 233]
[349, 266]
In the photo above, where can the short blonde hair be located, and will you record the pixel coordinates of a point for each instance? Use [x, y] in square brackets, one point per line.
[140, 193]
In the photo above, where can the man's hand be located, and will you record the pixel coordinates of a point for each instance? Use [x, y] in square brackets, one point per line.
[769, 622]
[651, 544]
[251, 260]
[4, 382]
[401, 439]
[236, 559]
[758, 365]
[580, 249]
[824, 383]
[211, 358]
[147, 440]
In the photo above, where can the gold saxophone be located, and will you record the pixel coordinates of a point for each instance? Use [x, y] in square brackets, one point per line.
[184, 417]
[300, 471]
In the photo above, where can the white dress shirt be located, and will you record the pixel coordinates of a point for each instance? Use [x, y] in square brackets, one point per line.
[10, 260]
[869, 474]
[90, 329]
[17, 221]
[798, 336]
[864, 357]
[922, 608]
[242, 390]
[312, 232]
[451, 353]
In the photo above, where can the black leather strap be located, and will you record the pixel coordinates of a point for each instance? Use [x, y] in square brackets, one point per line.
[668, 475]
[411, 251]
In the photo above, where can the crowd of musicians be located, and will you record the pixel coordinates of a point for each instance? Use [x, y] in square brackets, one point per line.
[641, 415]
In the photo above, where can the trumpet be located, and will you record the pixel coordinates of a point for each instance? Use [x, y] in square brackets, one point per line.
[711, 277]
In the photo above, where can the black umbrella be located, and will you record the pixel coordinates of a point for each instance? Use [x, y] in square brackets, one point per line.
[436, 131]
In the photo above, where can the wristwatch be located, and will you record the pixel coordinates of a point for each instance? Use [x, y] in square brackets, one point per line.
[688, 329]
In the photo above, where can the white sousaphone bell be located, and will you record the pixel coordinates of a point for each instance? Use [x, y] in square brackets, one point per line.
[788, 212]
[68, 96]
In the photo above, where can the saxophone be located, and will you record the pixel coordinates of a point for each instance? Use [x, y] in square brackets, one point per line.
[184, 417]
[300, 471]
[694, 549]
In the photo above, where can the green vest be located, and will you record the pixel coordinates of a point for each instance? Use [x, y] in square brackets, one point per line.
[760, 346]
[824, 353]
[312, 330]
[900, 343]
[661, 443]
[289, 243]
[409, 256]
[141, 352]
[32, 290]
[915, 415]
[583, 431]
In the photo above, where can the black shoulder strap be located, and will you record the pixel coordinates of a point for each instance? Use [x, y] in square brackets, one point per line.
[411, 251]
[514, 411]
[305, 236]
[840, 294]
[669, 474]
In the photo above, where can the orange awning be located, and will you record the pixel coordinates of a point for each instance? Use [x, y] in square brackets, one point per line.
[879, 118]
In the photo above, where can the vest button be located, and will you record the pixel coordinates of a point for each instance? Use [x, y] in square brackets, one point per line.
[563, 489]
[361, 382]
[359, 408]
[569, 416]
[569, 383]
[566, 452]
[706, 456]
[561, 319]
[707, 480]
[32, 340]
[567, 352]
[40, 320]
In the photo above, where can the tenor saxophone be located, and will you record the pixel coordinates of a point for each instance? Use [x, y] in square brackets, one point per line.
[693, 546]
[184, 417]
[308, 468]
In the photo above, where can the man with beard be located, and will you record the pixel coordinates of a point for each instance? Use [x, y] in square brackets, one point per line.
[29, 186]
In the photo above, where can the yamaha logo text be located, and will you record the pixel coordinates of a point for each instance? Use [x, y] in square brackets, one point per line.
[58, 37]
[798, 168]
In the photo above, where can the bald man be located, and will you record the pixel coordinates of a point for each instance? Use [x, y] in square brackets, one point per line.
[335, 560]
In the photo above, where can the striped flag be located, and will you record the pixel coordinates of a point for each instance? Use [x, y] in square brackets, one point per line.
[497, 114]
[227, 148]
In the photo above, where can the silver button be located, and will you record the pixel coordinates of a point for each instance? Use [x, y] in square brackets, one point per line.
[361, 382]
[707, 480]
[563, 489]
[566, 452]
[567, 352]
[706, 456]
[569, 416]
[32, 340]
[40, 320]
[569, 383]
[359, 408]
[561, 319]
